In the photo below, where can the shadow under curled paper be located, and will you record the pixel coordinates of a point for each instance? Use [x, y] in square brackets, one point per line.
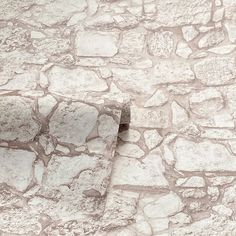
[58, 158]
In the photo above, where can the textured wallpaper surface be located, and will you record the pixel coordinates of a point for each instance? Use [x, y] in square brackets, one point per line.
[65, 67]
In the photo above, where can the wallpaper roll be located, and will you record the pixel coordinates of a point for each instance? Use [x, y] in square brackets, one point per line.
[56, 158]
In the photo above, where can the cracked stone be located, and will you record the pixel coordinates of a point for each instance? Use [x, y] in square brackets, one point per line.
[206, 102]
[179, 114]
[96, 44]
[65, 81]
[172, 203]
[159, 98]
[16, 168]
[46, 104]
[216, 70]
[161, 44]
[149, 172]
[202, 156]
[152, 138]
[78, 119]
[62, 169]
[15, 124]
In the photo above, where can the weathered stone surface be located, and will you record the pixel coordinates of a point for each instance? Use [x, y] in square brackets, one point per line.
[16, 168]
[129, 171]
[172, 203]
[211, 39]
[159, 98]
[134, 81]
[57, 11]
[77, 119]
[216, 70]
[231, 29]
[170, 13]
[130, 135]
[46, 104]
[146, 117]
[189, 32]
[202, 156]
[193, 182]
[172, 72]
[65, 81]
[152, 138]
[161, 44]
[132, 41]
[16, 119]
[206, 102]
[62, 169]
[96, 44]
[179, 114]
[183, 50]
[129, 150]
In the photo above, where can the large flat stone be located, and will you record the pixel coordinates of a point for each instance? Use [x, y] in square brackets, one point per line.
[16, 168]
[96, 44]
[65, 81]
[202, 156]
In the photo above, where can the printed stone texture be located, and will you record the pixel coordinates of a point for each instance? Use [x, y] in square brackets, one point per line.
[173, 172]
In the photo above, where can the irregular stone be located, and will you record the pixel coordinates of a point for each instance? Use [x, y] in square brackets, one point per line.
[57, 11]
[179, 114]
[180, 219]
[47, 143]
[149, 172]
[130, 135]
[225, 49]
[96, 44]
[231, 29]
[16, 120]
[192, 182]
[132, 41]
[229, 195]
[101, 22]
[152, 138]
[211, 39]
[107, 127]
[19, 221]
[96, 145]
[173, 71]
[193, 193]
[216, 70]
[148, 118]
[62, 169]
[39, 171]
[214, 193]
[161, 44]
[170, 13]
[78, 119]
[16, 168]
[215, 133]
[183, 50]
[159, 224]
[189, 32]
[129, 150]
[222, 210]
[221, 180]
[133, 81]
[65, 81]
[168, 155]
[172, 203]
[218, 14]
[206, 102]
[46, 104]
[159, 98]
[23, 81]
[202, 156]
[52, 46]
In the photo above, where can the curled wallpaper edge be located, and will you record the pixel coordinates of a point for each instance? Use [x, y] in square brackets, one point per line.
[60, 162]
